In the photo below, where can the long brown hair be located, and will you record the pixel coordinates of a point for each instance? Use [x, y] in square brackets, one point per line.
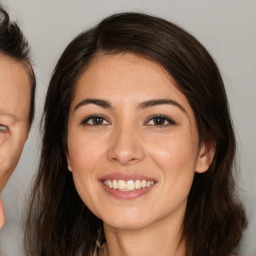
[59, 223]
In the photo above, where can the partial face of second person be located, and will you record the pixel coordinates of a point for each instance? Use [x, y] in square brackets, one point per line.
[133, 143]
[14, 116]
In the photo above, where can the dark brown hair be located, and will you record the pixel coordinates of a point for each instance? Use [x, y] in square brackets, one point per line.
[14, 44]
[59, 223]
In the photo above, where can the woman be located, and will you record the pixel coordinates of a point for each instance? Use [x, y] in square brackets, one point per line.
[17, 86]
[141, 122]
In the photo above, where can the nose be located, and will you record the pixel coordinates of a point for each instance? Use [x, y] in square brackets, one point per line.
[126, 146]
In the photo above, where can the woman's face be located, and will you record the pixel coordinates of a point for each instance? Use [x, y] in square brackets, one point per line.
[14, 116]
[133, 144]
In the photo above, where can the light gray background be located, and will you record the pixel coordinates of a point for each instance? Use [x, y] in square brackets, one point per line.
[226, 27]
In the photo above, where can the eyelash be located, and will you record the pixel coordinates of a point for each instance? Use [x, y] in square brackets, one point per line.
[167, 121]
[3, 129]
[93, 119]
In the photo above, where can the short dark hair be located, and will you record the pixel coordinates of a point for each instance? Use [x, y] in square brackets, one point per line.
[59, 223]
[14, 44]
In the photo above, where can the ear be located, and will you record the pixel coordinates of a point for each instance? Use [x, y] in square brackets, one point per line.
[1, 214]
[68, 161]
[205, 157]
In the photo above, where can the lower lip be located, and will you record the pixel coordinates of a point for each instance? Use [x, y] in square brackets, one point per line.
[119, 194]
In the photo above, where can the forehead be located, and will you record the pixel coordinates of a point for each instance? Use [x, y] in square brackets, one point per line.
[14, 87]
[126, 77]
[124, 73]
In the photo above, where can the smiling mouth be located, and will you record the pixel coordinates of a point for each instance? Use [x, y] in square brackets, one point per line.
[129, 185]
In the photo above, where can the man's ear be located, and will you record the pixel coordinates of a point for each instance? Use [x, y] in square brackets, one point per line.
[205, 157]
[68, 160]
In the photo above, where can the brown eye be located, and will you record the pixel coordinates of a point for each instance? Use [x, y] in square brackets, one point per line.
[160, 120]
[95, 120]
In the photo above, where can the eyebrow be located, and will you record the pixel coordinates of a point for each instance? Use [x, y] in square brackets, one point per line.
[156, 102]
[142, 105]
[98, 102]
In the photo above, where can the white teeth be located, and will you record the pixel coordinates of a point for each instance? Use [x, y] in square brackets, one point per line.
[128, 185]
[138, 184]
[121, 185]
[115, 184]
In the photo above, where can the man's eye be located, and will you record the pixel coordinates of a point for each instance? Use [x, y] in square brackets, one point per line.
[95, 120]
[3, 128]
[160, 120]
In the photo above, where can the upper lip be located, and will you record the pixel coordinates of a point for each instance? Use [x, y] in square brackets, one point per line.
[126, 177]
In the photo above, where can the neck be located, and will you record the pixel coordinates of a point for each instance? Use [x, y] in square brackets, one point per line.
[160, 238]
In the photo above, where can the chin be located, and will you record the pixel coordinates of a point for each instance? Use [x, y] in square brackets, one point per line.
[127, 225]
[125, 222]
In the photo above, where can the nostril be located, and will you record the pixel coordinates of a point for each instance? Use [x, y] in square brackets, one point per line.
[125, 159]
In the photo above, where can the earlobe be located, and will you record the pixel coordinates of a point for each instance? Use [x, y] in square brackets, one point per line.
[69, 168]
[68, 161]
[205, 158]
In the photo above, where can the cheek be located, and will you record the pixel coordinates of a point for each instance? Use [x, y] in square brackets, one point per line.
[7, 154]
[9, 157]
[176, 151]
[85, 153]
[176, 159]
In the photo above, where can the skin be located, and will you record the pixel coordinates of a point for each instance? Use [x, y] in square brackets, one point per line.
[14, 117]
[130, 141]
